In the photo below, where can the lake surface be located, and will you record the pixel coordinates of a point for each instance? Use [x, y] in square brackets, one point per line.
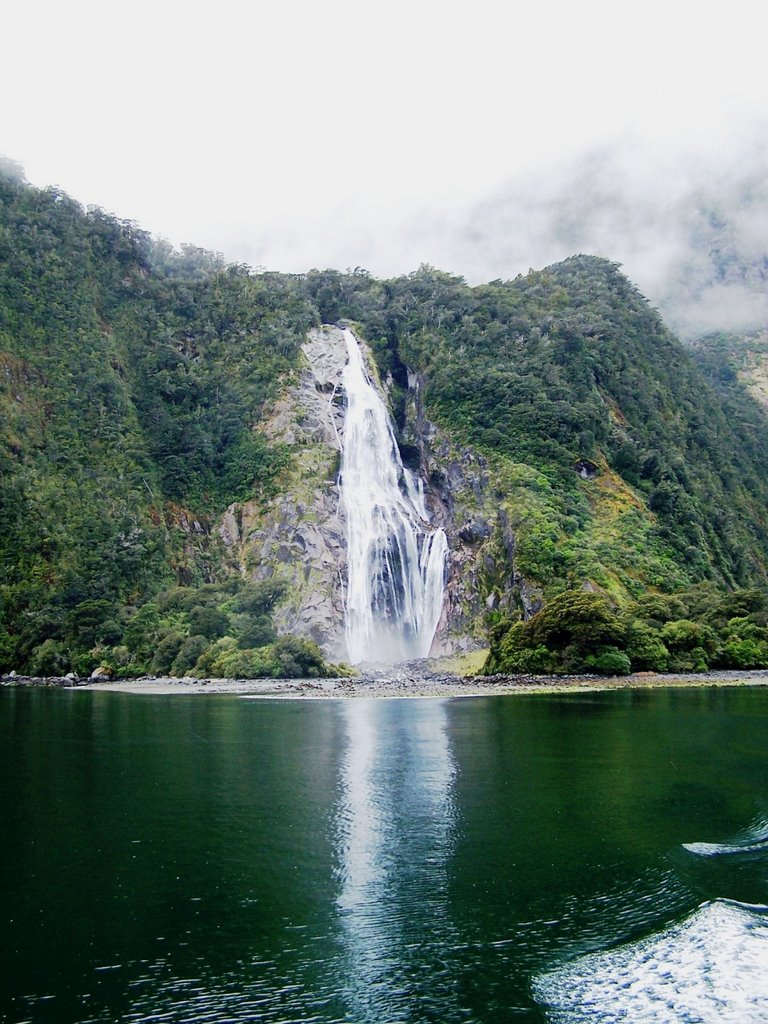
[585, 857]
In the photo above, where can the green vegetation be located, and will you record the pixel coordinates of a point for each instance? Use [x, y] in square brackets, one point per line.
[219, 629]
[570, 364]
[689, 631]
[133, 380]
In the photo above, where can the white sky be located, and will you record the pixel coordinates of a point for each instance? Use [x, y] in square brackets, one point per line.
[348, 133]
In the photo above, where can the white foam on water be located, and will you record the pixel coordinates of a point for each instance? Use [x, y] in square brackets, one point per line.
[724, 849]
[711, 968]
[752, 840]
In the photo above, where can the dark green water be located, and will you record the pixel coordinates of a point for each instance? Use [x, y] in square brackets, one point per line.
[537, 858]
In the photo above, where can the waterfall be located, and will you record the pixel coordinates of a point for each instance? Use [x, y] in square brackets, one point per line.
[396, 558]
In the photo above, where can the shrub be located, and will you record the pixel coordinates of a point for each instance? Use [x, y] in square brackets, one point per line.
[244, 664]
[209, 622]
[48, 659]
[119, 660]
[660, 608]
[536, 661]
[559, 638]
[142, 631]
[298, 658]
[166, 653]
[645, 648]
[522, 661]
[609, 662]
[258, 597]
[574, 617]
[743, 628]
[256, 632]
[7, 651]
[189, 654]
[743, 654]
[182, 599]
[83, 663]
[689, 644]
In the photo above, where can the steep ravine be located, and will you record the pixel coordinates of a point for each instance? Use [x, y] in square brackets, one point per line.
[299, 536]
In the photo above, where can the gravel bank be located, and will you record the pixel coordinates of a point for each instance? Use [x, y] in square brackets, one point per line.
[408, 682]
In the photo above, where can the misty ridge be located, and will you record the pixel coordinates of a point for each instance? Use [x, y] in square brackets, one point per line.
[693, 235]
[690, 230]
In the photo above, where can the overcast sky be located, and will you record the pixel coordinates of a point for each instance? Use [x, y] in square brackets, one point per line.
[299, 134]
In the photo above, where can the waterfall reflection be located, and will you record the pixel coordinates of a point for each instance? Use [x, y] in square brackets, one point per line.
[394, 830]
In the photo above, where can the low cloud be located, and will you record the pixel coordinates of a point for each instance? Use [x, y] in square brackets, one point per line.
[691, 232]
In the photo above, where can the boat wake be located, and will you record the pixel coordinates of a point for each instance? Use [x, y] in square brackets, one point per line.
[752, 840]
[710, 968]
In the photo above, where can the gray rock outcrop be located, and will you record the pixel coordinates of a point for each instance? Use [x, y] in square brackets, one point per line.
[299, 536]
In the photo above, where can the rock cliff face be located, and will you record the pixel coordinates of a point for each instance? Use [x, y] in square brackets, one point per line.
[468, 502]
[299, 536]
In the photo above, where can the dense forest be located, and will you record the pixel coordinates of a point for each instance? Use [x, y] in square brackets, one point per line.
[133, 379]
[571, 364]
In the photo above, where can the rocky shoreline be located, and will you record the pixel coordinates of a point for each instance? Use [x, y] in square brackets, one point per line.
[399, 682]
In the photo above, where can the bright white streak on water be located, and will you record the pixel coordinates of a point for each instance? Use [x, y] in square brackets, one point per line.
[395, 827]
[722, 850]
[753, 839]
[396, 559]
[712, 968]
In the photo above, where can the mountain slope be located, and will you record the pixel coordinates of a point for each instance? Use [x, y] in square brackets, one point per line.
[735, 364]
[568, 369]
[565, 437]
[130, 383]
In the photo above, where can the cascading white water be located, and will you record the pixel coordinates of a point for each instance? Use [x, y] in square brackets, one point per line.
[396, 559]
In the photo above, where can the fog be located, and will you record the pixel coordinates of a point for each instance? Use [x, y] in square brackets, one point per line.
[483, 139]
[690, 230]
[689, 227]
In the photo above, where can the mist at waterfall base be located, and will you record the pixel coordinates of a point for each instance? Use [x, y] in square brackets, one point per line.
[396, 558]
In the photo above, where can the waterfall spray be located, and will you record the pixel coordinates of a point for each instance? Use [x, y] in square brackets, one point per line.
[396, 558]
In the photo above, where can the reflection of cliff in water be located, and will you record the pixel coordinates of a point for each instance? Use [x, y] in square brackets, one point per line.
[394, 831]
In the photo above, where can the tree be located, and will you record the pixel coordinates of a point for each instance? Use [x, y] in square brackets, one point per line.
[575, 618]
[691, 645]
[208, 622]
